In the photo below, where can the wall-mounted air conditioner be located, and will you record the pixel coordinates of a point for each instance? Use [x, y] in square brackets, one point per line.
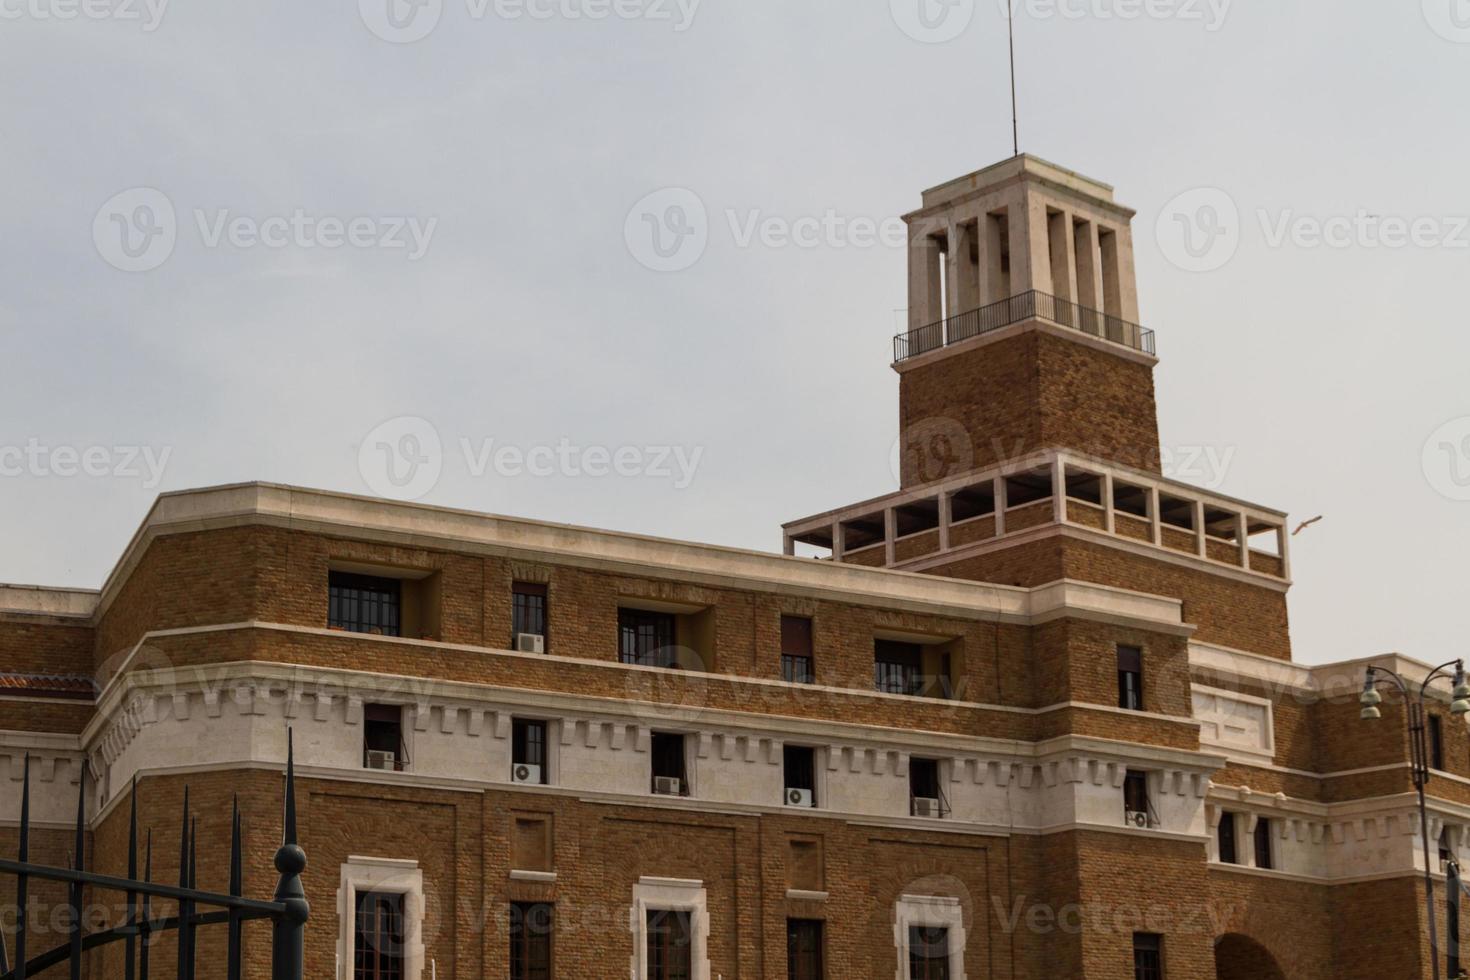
[530, 643]
[522, 773]
[926, 807]
[668, 786]
[378, 759]
[1139, 819]
[800, 797]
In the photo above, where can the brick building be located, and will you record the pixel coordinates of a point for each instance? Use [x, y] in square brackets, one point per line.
[1033, 715]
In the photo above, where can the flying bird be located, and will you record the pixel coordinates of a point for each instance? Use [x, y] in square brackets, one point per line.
[1306, 524]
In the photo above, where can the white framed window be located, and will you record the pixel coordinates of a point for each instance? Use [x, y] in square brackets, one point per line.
[935, 920]
[669, 919]
[380, 915]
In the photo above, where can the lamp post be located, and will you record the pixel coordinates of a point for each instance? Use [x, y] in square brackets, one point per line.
[1419, 755]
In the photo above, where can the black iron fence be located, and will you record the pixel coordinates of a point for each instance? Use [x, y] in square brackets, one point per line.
[1022, 306]
[141, 928]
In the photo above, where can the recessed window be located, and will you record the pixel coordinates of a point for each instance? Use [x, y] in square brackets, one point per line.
[801, 775]
[796, 650]
[803, 949]
[926, 798]
[670, 777]
[1446, 850]
[1148, 956]
[646, 638]
[528, 752]
[1436, 743]
[365, 604]
[1262, 840]
[897, 666]
[1226, 837]
[378, 940]
[528, 617]
[1136, 806]
[928, 953]
[530, 941]
[1130, 678]
[670, 945]
[382, 737]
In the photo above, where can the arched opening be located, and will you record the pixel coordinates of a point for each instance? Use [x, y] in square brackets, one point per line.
[1241, 958]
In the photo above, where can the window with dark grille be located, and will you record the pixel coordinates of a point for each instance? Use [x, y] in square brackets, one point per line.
[1130, 678]
[1226, 835]
[670, 945]
[796, 650]
[527, 609]
[668, 760]
[897, 667]
[803, 949]
[924, 786]
[928, 953]
[378, 943]
[528, 749]
[1148, 956]
[1263, 844]
[364, 603]
[1436, 743]
[801, 774]
[1135, 792]
[382, 737]
[530, 941]
[646, 638]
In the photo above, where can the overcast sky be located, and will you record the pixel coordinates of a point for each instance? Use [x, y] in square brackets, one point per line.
[257, 241]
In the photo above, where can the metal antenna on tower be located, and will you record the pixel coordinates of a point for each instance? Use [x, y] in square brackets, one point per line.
[1011, 29]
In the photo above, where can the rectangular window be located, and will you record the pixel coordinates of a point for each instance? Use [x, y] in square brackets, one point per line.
[646, 638]
[382, 737]
[796, 650]
[925, 798]
[528, 751]
[1226, 836]
[928, 953]
[1436, 743]
[670, 945]
[1263, 844]
[527, 611]
[897, 667]
[378, 943]
[1148, 956]
[668, 764]
[530, 941]
[801, 775]
[1135, 799]
[1130, 678]
[364, 604]
[803, 949]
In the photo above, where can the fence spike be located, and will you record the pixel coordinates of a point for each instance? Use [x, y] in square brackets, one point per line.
[237, 888]
[147, 910]
[130, 945]
[74, 897]
[288, 937]
[22, 880]
[184, 910]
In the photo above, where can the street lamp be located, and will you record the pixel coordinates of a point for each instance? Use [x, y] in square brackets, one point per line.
[1419, 754]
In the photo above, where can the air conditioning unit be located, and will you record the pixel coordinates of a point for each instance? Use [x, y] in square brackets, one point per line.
[667, 786]
[926, 807]
[1139, 819]
[522, 773]
[530, 643]
[800, 797]
[378, 759]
